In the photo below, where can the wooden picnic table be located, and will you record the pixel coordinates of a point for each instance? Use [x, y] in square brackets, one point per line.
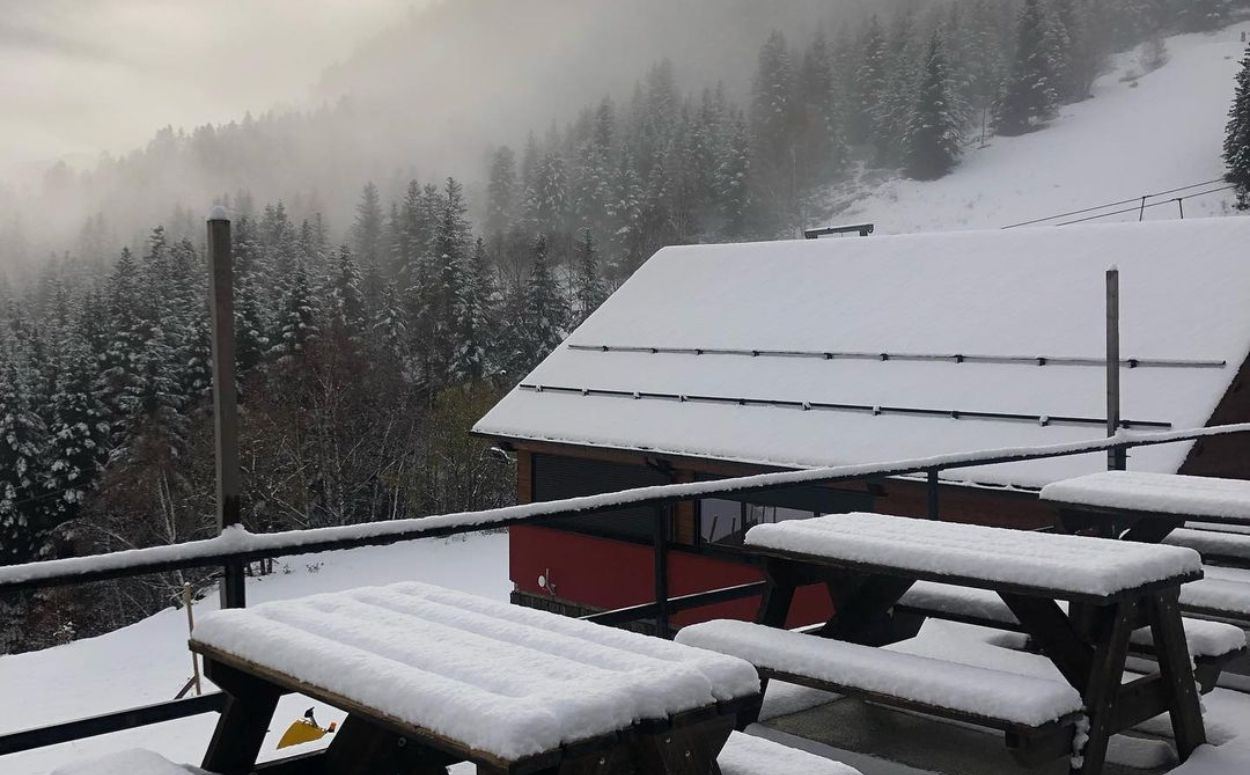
[869, 561]
[1147, 507]
[430, 677]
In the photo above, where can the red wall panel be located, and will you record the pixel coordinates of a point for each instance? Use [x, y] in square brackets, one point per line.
[606, 574]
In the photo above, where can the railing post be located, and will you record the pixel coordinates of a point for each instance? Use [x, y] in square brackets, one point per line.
[933, 494]
[1117, 458]
[661, 571]
[225, 398]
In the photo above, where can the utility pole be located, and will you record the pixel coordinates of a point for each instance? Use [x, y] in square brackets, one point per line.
[1116, 458]
[225, 398]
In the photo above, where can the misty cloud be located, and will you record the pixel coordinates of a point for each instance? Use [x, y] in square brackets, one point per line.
[80, 77]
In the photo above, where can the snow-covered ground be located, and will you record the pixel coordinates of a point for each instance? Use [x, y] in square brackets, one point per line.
[1161, 131]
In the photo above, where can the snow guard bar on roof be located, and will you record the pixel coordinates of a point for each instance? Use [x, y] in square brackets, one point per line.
[831, 355]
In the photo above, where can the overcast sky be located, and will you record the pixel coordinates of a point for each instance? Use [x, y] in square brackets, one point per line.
[78, 77]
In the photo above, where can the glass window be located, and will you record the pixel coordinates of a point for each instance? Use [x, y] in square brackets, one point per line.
[719, 519]
[726, 521]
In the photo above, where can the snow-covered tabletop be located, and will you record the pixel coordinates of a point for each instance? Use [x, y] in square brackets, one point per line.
[1070, 567]
[508, 681]
[1165, 494]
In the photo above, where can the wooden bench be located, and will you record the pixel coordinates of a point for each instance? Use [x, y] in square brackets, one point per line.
[1217, 547]
[1212, 644]
[430, 677]
[1038, 717]
[1112, 588]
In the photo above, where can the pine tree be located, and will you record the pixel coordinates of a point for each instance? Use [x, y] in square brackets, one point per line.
[23, 439]
[933, 142]
[773, 124]
[733, 176]
[547, 206]
[821, 144]
[476, 326]
[542, 318]
[1032, 94]
[367, 230]
[1237, 137]
[347, 301]
[501, 197]
[625, 214]
[78, 432]
[298, 321]
[892, 115]
[450, 250]
[390, 328]
[869, 82]
[589, 290]
[119, 384]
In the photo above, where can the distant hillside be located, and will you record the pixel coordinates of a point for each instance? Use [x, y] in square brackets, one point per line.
[1137, 136]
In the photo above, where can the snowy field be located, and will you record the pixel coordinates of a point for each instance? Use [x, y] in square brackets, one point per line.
[1163, 131]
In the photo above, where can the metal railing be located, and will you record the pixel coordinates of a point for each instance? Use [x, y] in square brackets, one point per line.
[236, 547]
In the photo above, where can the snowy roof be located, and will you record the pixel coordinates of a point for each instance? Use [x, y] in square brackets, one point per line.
[503, 679]
[856, 350]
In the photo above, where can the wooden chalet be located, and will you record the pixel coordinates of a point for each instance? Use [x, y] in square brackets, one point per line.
[726, 360]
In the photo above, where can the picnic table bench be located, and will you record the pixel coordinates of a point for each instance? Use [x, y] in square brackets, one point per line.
[1140, 506]
[430, 677]
[1209, 515]
[869, 561]
[1212, 644]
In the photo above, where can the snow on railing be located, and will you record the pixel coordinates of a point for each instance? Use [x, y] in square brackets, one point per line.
[237, 545]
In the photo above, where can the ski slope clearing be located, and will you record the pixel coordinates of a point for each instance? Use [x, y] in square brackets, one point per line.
[1158, 132]
[148, 662]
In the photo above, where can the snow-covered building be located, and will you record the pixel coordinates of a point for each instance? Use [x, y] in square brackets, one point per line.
[718, 360]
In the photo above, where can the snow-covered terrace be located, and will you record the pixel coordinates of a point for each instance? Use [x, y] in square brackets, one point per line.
[135, 660]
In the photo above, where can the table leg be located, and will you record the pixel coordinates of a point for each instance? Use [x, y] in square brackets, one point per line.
[1103, 686]
[862, 609]
[689, 749]
[775, 604]
[244, 722]
[1172, 651]
[1054, 634]
[362, 748]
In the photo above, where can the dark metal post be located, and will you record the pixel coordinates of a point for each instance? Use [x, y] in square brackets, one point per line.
[661, 572]
[933, 494]
[1116, 458]
[225, 399]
